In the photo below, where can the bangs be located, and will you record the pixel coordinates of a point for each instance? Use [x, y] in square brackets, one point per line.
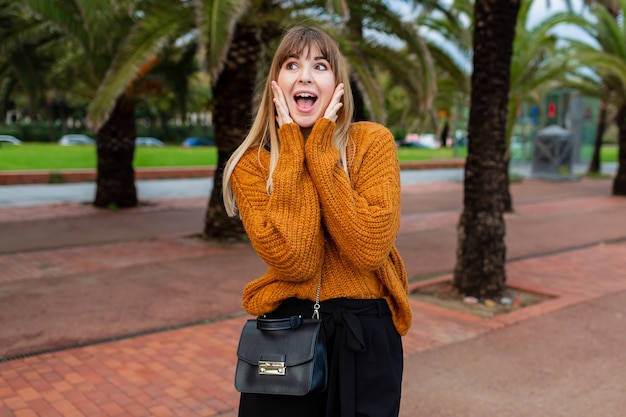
[304, 40]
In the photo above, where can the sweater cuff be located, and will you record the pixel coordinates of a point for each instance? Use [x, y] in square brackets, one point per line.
[291, 139]
[321, 136]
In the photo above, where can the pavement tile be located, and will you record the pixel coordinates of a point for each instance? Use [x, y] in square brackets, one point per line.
[26, 413]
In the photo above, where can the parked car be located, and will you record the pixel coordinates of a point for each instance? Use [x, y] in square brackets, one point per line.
[517, 143]
[426, 141]
[76, 139]
[192, 142]
[461, 138]
[12, 140]
[148, 141]
[413, 145]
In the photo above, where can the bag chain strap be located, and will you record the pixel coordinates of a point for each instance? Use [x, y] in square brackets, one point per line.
[317, 306]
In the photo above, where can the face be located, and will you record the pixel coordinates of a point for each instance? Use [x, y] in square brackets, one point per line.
[308, 84]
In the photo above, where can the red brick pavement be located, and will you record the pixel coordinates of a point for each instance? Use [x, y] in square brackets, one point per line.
[51, 211]
[188, 371]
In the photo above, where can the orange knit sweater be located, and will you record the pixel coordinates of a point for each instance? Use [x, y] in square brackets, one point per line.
[320, 221]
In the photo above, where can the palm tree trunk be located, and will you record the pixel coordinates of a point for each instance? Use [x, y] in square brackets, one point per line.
[507, 199]
[594, 164]
[481, 251]
[232, 117]
[115, 142]
[360, 112]
[619, 183]
[354, 27]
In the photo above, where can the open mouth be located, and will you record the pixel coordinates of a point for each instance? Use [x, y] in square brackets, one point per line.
[305, 100]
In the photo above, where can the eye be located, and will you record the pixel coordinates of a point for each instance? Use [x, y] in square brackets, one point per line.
[321, 67]
[291, 66]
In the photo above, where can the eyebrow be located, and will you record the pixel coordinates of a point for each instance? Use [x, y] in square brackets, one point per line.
[317, 58]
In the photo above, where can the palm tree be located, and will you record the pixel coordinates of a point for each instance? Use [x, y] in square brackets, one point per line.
[170, 82]
[91, 33]
[206, 24]
[230, 36]
[233, 93]
[27, 63]
[139, 61]
[256, 26]
[536, 65]
[607, 57]
[481, 251]
[603, 115]
[595, 89]
[411, 67]
[17, 68]
[594, 163]
[451, 56]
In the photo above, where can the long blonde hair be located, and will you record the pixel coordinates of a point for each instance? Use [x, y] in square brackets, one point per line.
[264, 130]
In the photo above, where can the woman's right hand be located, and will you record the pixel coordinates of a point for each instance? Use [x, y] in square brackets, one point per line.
[282, 111]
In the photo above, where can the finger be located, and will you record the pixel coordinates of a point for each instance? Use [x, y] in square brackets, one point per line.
[277, 105]
[335, 103]
[339, 91]
[282, 111]
[331, 112]
[279, 95]
[279, 118]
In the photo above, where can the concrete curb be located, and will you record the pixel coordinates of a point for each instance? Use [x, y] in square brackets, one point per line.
[89, 175]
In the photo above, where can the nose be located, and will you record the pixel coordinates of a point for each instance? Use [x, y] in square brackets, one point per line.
[305, 77]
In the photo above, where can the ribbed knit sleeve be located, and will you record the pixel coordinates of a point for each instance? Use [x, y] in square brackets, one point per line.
[284, 227]
[361, 212]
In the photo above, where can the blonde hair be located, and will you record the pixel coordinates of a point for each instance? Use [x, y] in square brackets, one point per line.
[264, 130]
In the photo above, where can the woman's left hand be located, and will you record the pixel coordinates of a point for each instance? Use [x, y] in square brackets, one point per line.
[335, 104]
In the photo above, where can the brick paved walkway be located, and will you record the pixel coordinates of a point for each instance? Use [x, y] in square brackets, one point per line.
[188, 371]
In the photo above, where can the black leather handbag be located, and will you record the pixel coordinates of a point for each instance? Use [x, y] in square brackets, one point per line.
[285, 356]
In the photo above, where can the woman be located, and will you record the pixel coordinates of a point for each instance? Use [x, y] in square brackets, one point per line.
[319, 197]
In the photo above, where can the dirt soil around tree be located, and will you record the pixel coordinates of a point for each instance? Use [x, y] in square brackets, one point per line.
[444, 295]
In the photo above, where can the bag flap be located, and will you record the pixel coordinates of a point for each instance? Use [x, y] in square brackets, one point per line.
[297, 346]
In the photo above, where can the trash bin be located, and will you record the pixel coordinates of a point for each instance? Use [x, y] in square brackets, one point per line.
[553, 154]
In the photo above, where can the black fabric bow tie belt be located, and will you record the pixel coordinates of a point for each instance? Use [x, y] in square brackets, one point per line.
[341, 322]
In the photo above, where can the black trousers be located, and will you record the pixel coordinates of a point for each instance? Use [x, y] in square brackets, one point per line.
[365, 363]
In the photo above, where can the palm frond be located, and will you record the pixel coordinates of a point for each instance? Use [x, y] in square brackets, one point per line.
[66, 14]
[145, 39]
[216, 21]
[366, 80]
[610, 67]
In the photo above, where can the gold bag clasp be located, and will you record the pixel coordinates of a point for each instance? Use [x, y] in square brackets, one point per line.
[271, 368]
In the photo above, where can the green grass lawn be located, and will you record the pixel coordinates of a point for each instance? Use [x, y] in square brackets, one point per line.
[32, 156]
[421, 154]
